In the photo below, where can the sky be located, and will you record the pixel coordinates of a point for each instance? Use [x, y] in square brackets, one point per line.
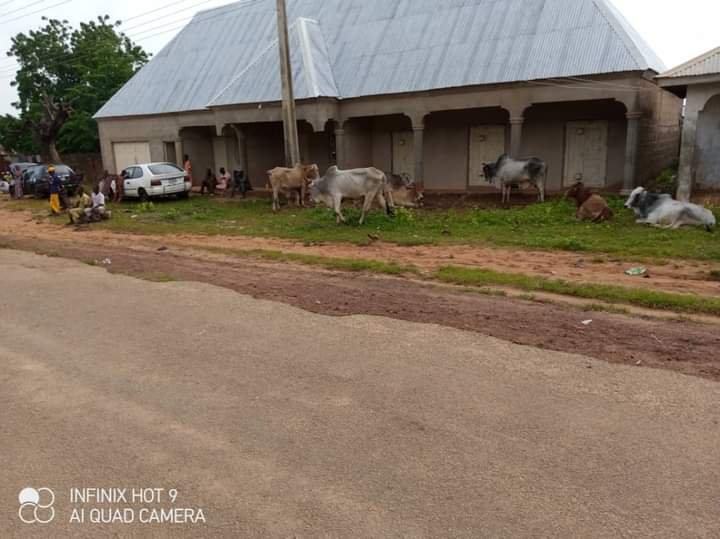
[677, 31]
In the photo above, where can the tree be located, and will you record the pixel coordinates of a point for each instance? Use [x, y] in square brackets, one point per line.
[65, 76]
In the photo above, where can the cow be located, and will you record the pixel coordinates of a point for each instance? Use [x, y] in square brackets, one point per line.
[511, 172]
[662, 211]
[590, 206]
[360, 183]
[291, 180]
[404, 192]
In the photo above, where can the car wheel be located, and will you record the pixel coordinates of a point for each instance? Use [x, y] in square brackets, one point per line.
[143, 196]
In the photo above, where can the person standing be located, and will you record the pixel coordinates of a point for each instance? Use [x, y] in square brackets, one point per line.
[18, 183]
[55, 188]
[118, 187]
[187, 165]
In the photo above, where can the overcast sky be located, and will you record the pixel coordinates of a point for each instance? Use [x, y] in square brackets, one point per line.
[677, 30]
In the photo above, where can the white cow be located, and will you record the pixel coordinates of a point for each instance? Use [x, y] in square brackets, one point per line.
[360, 183]
[665, 212]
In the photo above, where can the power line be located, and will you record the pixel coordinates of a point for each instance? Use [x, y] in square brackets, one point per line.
[8, 72]
[21, 8]
[36, 12]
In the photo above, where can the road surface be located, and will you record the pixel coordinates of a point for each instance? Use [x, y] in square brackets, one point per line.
[275, 422]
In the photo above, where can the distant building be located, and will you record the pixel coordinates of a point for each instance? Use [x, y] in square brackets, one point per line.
[698, 80]
[429, 88]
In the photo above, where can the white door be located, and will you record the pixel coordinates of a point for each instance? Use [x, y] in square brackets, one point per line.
[130, 153]
[586, 153]
[403, 154]
[487, 144]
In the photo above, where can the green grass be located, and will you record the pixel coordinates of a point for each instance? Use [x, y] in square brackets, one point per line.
[331, 263]
[549, 226]
[599, 292]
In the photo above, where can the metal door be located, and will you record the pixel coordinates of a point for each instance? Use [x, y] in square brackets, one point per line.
[487, 144]
[403, 153]
[586, 153]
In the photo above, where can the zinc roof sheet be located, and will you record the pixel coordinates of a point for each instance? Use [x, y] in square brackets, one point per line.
[354, 48]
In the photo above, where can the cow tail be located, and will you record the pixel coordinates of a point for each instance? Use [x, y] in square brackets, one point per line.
[387, 193]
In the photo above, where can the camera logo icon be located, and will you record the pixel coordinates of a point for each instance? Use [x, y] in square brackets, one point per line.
[36, 505]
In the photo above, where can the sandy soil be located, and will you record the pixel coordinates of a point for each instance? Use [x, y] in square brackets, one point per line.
[677, 277]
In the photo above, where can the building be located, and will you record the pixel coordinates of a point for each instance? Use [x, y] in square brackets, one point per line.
[699, 82]
[432, 88]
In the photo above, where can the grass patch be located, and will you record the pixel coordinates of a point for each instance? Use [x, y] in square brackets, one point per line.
[607, 293]
[548, 226]
[331, 263]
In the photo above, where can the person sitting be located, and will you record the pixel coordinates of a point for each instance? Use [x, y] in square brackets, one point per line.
[223, 181]
[96, 212]
[77, 213]
[208, 183]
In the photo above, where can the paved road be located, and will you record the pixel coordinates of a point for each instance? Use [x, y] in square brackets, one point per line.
[280, 423]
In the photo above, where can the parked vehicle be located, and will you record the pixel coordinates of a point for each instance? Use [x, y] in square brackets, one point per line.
[151, 180]
[36, 180]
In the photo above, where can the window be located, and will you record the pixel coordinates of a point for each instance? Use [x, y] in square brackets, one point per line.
[132, 173]
[165, 168]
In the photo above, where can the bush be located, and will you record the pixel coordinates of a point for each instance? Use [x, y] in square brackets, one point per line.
[666, 182]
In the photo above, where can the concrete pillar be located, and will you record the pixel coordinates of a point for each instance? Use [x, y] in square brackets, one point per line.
[419, 146]
[687, 155]
[179, 152]
[631, 150]
[340, 149]
[242, 148]
[516, 126]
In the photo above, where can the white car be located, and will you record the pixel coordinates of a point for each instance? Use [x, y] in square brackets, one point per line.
[151, 180]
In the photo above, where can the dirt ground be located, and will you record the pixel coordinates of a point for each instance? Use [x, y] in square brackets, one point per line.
[677, 276]
[682, 346]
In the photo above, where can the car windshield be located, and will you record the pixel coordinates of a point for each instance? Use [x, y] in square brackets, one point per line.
[165, 168]
[41, 170]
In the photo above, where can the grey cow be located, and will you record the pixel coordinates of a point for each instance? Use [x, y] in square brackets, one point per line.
[510, 172]
[360, 183]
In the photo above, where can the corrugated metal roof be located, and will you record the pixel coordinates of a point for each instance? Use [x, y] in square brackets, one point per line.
[355, 48]
[706, 64]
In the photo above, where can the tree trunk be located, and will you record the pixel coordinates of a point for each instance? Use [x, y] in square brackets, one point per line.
[53, 154]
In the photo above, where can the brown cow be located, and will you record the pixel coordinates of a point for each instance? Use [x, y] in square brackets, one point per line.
[291, 180]
[590, 206]
[404, 192]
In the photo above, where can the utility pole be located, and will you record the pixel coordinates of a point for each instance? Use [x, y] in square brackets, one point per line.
[292, 145]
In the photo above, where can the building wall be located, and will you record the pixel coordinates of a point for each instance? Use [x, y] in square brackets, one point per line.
[659, 141]
[447, 115]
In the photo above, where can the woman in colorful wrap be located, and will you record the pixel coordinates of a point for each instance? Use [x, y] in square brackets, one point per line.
[55, 187]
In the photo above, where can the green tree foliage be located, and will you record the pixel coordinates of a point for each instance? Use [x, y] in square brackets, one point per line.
[65, 76]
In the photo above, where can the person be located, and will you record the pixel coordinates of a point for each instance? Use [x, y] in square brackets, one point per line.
[118, 187]
[187, 165]
[55, 188]
[97, 210]
[208, 183]
[82, 202]
[106, 185]
[18, 183]
[223, 181]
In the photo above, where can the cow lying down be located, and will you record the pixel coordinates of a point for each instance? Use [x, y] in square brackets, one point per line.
[665, 212]
[590, 206]
[404, 193]
[368, 184]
